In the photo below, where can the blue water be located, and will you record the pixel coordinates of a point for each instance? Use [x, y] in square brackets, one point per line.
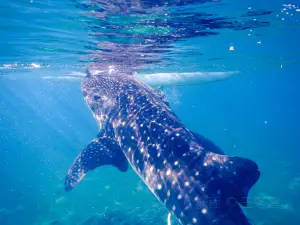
[44, 121]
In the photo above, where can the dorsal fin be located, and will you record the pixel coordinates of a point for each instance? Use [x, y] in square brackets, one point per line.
[232, 176]
[240, 167]
[207, 144]
[241, 175]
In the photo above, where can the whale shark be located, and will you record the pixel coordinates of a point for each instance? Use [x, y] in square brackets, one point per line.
[189, 174]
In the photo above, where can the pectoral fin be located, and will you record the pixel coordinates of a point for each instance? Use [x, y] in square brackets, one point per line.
[101, 151]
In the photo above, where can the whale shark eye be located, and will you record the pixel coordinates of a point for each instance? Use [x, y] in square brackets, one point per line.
[96, 97]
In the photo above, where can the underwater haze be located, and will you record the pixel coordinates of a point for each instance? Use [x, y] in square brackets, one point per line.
[46, 46]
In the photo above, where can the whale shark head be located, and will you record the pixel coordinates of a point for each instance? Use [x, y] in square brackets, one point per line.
[105, 91]
[99, 89]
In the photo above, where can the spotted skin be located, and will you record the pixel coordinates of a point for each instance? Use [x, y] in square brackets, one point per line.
[190, 175]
